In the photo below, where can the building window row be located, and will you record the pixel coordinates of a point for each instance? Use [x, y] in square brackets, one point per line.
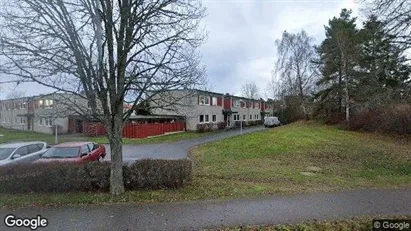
[236, 117]
[207, 100]
[46, 122]
[206, 118]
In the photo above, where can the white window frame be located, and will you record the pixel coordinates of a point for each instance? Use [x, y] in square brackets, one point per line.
[203, 100]
[237, 103]
[41, 121]
[214, 118]
[199, 119]
[214, 101]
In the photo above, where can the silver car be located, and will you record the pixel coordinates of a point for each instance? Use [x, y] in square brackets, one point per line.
[25, 152]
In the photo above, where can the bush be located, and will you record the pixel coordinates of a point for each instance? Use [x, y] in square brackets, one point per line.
[221, 125]
[93, 177]
[201, 128]
[209, 127]
[393, 118]
[206, 127]
[157, 174]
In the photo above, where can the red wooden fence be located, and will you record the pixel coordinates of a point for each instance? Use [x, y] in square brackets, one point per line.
[136, 130]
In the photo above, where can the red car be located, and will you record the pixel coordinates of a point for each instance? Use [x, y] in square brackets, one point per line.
[79, 152]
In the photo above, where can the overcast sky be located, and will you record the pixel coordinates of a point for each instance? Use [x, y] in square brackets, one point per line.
[241, 35]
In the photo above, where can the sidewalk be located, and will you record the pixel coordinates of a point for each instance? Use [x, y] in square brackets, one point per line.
[214, 214]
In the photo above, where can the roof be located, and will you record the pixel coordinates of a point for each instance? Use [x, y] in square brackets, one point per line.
[71, 144]
[18, 144]
[143, 117]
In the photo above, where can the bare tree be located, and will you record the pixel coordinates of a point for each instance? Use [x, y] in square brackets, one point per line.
[106, 52]
[16, 94]
[294, 66]
[250, 90]
[396, 15]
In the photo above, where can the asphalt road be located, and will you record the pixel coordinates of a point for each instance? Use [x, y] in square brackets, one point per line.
[174, 150]
[213, 214]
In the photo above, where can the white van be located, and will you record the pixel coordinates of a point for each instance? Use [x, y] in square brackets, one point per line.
[271, 121]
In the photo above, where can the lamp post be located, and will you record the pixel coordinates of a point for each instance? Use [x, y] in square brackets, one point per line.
[241, 119]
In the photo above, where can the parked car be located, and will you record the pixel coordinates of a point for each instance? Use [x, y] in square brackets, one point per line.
[271, 121]
[79, 152]
[24, 152]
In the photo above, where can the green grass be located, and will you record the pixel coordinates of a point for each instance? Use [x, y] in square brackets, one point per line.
[270, 162]
[273, 161]
[14, 135]
[356, 224]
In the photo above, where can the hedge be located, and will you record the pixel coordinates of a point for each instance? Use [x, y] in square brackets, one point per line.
[93, 177]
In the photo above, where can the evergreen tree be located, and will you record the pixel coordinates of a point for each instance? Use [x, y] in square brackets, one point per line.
[384, 71]
[338, 55]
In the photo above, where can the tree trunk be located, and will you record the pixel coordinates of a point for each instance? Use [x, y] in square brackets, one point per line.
[116, 175]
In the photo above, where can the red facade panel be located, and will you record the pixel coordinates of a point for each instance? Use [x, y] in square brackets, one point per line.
[227, 102]
[145, 130]
[220, 101]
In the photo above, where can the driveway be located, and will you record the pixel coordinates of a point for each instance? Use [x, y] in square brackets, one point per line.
[214, 214]
[174, 150]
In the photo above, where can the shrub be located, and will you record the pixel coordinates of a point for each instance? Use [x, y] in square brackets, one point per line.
[201, 128]
[393, 118]
[237, 123]
[209, 127]
[221, 125]
[157, 174]
[93, 177]
[55, 177]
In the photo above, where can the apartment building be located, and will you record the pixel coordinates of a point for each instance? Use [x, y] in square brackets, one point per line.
[37, 113]
[199, 106]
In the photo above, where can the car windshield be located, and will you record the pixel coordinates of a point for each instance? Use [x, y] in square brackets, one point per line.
[5, 152]
[61, 152]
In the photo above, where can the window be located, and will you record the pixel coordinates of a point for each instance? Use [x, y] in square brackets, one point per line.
[204, 100]
[236, 117]
[201, 118]
[214, 118]
[15, 120]
[207, 119]
[49, 102]
[41, 121]
[33, 148]
[236, 103]
[257, 105]
[214, 101]
[243, 117]
[84, 150]
[22, 151]
[91, 147]
[251, 117]
[49, 122]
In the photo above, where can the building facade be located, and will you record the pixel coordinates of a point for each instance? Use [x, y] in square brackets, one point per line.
[37, 113]
[200, 107]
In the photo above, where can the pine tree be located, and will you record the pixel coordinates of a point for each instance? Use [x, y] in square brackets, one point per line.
[384, 71]
[338, 55]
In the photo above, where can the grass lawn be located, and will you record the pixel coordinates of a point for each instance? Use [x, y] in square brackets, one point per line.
[297, 158]
[357, 224]
[14, 135]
